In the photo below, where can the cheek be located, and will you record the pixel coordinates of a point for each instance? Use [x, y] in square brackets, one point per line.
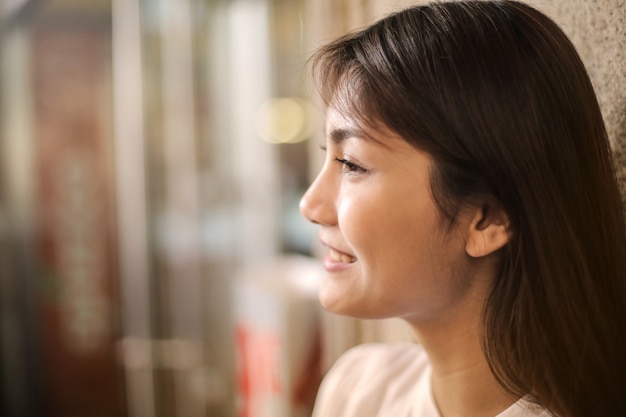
[402, 239]
[361, 220]
[386, 238]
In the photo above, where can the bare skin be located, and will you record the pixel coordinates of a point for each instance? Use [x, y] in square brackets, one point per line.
[462, 382]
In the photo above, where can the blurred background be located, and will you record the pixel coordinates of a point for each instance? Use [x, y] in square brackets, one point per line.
[153, 262]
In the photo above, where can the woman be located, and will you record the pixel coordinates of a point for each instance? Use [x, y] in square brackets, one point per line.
[469, 189]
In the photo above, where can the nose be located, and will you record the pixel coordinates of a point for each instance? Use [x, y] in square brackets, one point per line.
[317, 205]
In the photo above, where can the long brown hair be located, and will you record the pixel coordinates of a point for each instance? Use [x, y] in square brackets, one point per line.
[497, 95]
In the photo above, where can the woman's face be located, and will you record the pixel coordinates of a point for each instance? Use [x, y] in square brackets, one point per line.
[389, 253]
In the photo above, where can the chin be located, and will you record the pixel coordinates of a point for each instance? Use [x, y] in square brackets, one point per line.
[340, 297]
[340, 307]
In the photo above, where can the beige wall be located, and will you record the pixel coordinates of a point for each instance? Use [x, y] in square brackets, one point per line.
[598, 30]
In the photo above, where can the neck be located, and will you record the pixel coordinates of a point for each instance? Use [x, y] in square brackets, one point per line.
[466, 387]
[462, 382]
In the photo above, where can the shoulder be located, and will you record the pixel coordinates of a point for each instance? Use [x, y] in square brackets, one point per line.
[369, 377]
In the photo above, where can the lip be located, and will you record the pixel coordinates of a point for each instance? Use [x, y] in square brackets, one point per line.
[335, 259]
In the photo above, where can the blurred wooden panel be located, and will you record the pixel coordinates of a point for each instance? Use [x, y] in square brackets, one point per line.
[77, 297]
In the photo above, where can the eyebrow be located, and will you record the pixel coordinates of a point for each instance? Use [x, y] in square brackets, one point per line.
[341, 134]
[338, 135]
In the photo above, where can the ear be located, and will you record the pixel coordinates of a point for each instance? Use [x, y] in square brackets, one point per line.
[489, 230]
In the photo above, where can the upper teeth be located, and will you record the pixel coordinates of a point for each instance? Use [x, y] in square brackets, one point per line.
[341, 257]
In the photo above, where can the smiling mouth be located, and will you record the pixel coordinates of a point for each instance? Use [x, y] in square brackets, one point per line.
[341, 257]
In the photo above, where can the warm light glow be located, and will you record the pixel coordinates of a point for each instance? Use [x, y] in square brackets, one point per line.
[283, 120]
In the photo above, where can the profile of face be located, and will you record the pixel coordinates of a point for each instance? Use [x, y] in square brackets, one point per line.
[390, 253]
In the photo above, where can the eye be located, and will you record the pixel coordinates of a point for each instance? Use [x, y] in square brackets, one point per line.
[348, 167]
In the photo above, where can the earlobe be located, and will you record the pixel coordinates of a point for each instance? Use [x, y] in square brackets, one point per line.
[489, 231]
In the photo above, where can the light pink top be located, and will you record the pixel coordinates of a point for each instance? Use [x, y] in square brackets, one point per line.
[386, 380]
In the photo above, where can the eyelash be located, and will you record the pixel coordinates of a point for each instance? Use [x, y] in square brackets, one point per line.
[347, 166]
